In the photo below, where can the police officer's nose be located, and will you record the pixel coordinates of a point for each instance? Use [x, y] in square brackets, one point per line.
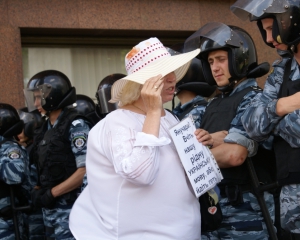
[214, 67]
[37, 102]
[269, 37]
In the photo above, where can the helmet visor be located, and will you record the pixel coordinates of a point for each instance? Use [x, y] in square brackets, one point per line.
[36, 97]
[278, 6]
[172, 52]
[287, 18]
[26, 116]
[245, 8]
[215, 31]
[104, 95]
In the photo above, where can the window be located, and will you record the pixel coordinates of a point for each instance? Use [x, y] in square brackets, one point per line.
[85, 67]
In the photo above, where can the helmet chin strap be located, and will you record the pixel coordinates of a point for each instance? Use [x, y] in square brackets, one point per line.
[294, 48]
[46, 115]
[229, 87]
[177, 90]
[173, 101]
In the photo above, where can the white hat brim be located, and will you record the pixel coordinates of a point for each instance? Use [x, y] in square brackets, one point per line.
[178, 64]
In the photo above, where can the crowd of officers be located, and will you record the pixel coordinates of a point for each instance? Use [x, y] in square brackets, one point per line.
[42, 156]
[43, 146]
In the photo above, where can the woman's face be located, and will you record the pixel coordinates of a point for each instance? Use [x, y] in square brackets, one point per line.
[167, 92]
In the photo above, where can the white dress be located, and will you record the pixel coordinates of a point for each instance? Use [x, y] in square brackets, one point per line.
[137, 188]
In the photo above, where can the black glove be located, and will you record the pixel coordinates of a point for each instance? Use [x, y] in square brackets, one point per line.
[42, 198]
[47, 199]
[36, 197]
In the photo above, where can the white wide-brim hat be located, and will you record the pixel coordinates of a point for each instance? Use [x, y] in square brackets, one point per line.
[148, 59]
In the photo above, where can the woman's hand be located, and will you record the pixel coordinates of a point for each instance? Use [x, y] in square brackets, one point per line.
[151, 100]
[204, 137]
[151, 94]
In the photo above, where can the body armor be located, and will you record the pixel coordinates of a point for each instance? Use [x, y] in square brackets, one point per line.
[55, 161]
[226, 110]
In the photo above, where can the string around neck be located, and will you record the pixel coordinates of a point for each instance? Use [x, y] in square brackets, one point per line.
[139, 109]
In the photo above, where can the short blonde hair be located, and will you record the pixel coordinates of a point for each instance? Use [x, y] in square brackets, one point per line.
[130, 93]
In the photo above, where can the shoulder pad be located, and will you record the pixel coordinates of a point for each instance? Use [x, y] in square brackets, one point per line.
[277, 61]
[280, 62]
[257, 88]
[76, 122]
[10, 142]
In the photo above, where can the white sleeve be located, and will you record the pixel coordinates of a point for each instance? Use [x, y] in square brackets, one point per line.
[135, 155]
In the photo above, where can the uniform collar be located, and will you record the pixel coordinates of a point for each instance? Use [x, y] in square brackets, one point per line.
[244, 84]
[196, 99]
[56, 121]
[180, 108]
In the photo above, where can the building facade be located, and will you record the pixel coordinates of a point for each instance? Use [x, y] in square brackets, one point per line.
[34, 30]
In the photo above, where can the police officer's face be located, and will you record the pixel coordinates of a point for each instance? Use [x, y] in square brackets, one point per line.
[267, 25]
[218, 61]
[22, 138]
[38, 101]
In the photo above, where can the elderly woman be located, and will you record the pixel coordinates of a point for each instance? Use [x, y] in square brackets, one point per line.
[137, 185]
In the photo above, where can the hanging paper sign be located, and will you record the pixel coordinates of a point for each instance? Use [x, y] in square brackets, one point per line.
[197, 160]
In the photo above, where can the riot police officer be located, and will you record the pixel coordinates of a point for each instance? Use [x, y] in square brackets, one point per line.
[32, 120]
[103, 95]
[14, 171]
[192, 92]
[229, 61]
[275, 112]
[60, 146]
[86, 107]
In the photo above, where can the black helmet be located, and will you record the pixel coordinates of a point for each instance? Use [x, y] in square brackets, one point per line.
[237, 42]
[103, 94]
[86, 107]
[10, 123]
[55, 90]
[286, 15]
[193, 80]
[31, 120]
[84, 104]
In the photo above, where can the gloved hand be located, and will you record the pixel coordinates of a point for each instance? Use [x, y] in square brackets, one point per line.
[36, 196]
[47, 199]
[42, 198]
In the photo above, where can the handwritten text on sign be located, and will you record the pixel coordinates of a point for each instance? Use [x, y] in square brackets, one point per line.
[198, 162]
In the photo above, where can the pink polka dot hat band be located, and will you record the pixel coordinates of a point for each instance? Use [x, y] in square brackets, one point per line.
[148, 59]
[145, 53]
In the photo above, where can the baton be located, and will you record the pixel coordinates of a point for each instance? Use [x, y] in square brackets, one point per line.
[258, 192]
[15, 211]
